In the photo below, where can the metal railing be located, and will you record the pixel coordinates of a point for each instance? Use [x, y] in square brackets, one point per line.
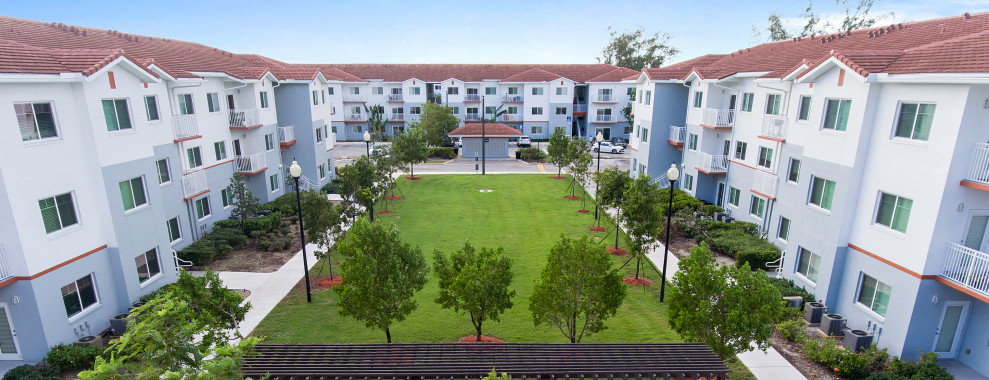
[472, 117]
[511, 117]
[979, 170]
[678, 134]
[472, 98]
[765, 183]
[351, 98]
[603, 118]
[248, 117]
[397, 116]
[185, 126]
[967, 267]
[180, 263]
[774, 127]
[605, 98]
[395, 98]
[4, 268]
[286, 134]
[356, 117]
[579, 108]
[252, 164]
[711, 163]
[194, 183]
[715, 117]
[512, 99]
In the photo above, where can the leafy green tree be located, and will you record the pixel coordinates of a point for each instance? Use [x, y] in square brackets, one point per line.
[380, 275]
[376, 119]
[364, 180]
[437, 121]
[725, 307]
[636, 50]
[244, 202]
[324, 223]
[642, 216]
[410, 148]
[557, 150]
[578, 162]
[777, 32]
[475, 282]
[627, 112]
[578, 289]
[856, 16]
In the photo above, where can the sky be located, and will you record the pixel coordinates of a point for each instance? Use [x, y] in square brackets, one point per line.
[504, 31]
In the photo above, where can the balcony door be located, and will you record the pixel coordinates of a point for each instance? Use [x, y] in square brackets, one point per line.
[9, 349]
[976, 234]
[949, 332]
[230, 102]
[237, 148]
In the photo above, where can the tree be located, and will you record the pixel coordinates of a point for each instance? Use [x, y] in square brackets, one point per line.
[627, 112]
[856, 16]
[578, 162]
[642, 217]
[364, 180]
[557, 150]
[475, 282]
[578, 290]
[437, 121]
[244, 202]
[612, 183]
[324, 223]
[410, 148]
[725, 307]
[636, 51]
[777, 32]
[380, 275]
[376, 119]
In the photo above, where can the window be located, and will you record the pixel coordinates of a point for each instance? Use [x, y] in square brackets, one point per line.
[202, 208]
[117, 114]
[195, 157]
[537, 90]
[793, 173]
[836, 114]
[35, 120]
[773, 104]
[58, 212]
[914, 121]
[151, 106]
[648, 97]
[747, 99]
[456, 110]
[174, 233]
[513, 110]
[808, 264]
[537, 110]
[264, 99]
[321, 170]
[358, 129]
[319, 134]
[561, 90]
[765, 157]
[452, 90]
[226, 197]
[537, 130]
[132, 193]
[381, 91]
[628, 130]
[415, 90]
[147, 265]
[185, 104]
[698, 99]
[630, 91]
[490, 110]
[740, 148]
[354, 90]
[490, 90]
[803, 113]
[315, 97]
[758, 207]
[79, 295]
[733, 196]
[822, 193]
[329, 90]
[645, 134]
[220, 147]
[269, 141]
[273, 182]
[322, 96]
[213, 102]
[688, 182]
[513, 91]
[355, 110]
[415, 110]
[692, 142]
[561, 110]
[559, 129]
[471, 91]
[874, 294]
[893, 211]
[164, 175]
[783, 232]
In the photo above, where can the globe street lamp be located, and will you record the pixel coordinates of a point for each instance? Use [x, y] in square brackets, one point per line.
[599, 138]
[296, 171]
[672, 174]
[367, 140]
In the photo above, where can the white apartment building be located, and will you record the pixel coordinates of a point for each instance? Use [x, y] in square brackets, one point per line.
[862, 155]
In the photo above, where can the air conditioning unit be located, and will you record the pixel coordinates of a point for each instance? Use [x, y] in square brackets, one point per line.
[729, 219]
[833, 324]
[813, 312]
[720, 216]
[795, 302]
[698, 214]
[857, 340]
[118, 324]
[89, 341]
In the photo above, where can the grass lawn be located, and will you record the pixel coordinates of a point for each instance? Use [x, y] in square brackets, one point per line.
[525, 214]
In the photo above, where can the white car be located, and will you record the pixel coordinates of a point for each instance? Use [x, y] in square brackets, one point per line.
[525, 141]
[609, 147]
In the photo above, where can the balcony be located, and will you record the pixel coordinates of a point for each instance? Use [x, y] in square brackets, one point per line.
[580, 110]
[472, 98]
[354, 98]
[774, 128]
[286, 136]
[4, 268]
[252, 164]
[978, 171]
[967, 267]
[249, 118]
[512, 99]
[605, 119]
[472, 117]
[764, 184]
[605, 98]
[185, 128]
[397, 117]
[355, 118]
[711, 164]
[677, 136]
[194, 184]
[511, 118]
[714, 118]
[395, 98]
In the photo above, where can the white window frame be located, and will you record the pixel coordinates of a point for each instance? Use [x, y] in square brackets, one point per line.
[147, 108]
[896, 202]
[213, 102]
[913, 128]
[85, 308]
[813, 262]
[178, 230]
[151, 277]
[185, 104]
[168, 171]
[273, 183]
[144, 191]
[34, 118]
[753, 202]
[198, 206]
[781, 233]
[117, 114]
[870, 308]
[737, 195]
[58, 213]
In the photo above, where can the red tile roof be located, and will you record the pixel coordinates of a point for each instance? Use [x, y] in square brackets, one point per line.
[532, 75]
[616, 75]
[490, 129]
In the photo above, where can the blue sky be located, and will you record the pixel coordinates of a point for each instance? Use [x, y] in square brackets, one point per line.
[504, 31]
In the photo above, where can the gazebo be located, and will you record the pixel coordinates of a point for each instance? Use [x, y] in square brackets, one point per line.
[495, 135]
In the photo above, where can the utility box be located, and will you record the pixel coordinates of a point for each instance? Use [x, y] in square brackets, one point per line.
[813, 312]
[857, 340]
[833, 324]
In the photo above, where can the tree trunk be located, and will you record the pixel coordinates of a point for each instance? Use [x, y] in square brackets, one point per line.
[478, 327]
[638, 263]
[388, 334]
[371, 207]
[412, 170]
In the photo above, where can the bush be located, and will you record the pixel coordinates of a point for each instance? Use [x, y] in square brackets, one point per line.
[710, 210]
[70, 357]
[333, 187]
[229, 223]
[788, 289]
[33, 372]
[284, 204]
[860, 366]
[681, 201]
[199, 253]
[532, 154]
[685, 224]
[757, 256]
[443, 152]
[927, 368]
[824, 351]
[792, 330]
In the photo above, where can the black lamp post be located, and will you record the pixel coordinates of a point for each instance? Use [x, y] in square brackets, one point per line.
[599, 138]
[672, 174]
[484, 140]
[296, 171]
[367, 140]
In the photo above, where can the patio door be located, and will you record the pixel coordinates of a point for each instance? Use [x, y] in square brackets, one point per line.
[230, 102]
[9, 348]
[721, 194]
[978, 228]
[948, 336]
[237, 147]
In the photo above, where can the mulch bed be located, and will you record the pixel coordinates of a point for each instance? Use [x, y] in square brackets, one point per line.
[250, 258]
[484, 339]
[327, 282]
[557, 177]
[583, 211]
[641, 281]
[385, 212]
[572, 197]
[794, 353]
[394, 198]
[617, 251]
[598, 229]
[413, 178]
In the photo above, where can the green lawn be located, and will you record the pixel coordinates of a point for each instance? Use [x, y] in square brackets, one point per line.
[524, 214]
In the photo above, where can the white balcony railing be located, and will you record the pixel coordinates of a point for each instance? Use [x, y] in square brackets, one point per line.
[4, 268]
[395, 98]
[185, 126]
[356, 117]
[397, 117]
[252, 164]
[967, 267]
[472, 117]
[472, 98]
[286, 134]
[774, 127]
[979, 170]
[512, 99]
[351, 98]
[678, 134]
[194, 183]
[603, 119]
[511, 117]
[765, 183]
[331, 140]
[245, 118]
[605, 98]
[718, 118]
[579, 108]
[712, 163]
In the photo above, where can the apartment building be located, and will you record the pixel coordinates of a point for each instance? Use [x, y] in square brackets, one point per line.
[862, 155]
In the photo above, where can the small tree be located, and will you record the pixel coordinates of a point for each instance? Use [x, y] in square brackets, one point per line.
[475, 282]
[244, 202]
[324, 223]
[579, 162]
[612, 184]
[437, 121]
[627, 112]
[380, 275]
[364, 180]
[578, 290]
[376, 119]
[636, 51]
[557, 151]
[410, 148]
[642, 217]
[725, 307]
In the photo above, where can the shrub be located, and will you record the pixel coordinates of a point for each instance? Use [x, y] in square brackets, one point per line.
[757, 256]
[792, 330]
[824, 351]
[927, 368]
[199, 253]
[532, 154]
[860, 366]
[284, 204]
[33, 372]
[264, 244]
[70, 357]
[709, 210]
[229, 223]
[728, 241]
[685, 224]
[333, 187]
[788, 289]
[229, 236]
[681, 200]
[443, 152]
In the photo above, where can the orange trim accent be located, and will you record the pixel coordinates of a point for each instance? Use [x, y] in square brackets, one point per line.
[707, 172]
[633, 149]
[355, 101]
[841, 78]
[218, 164]
[113, 82]
[580, 113]
[285, 145]
[187, 139]
[887, 262]
[713, 127]
[937, 278]
[961, 289]
[196, 195]
[773, 139]
[762, 195]
[49, 270]
[244, 128]
[812, 85]
[254, 172]
[604, 102]
[674, 143]
[145, 85]
[736, 162]
[974, 185]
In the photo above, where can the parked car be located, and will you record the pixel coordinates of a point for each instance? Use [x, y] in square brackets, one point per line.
[609, 147]
[620, 141]
[525, 141]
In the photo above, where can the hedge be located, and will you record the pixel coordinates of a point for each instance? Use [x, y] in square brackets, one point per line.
[532, 154]
[443, 152]
[71, 357]
[789, 289]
